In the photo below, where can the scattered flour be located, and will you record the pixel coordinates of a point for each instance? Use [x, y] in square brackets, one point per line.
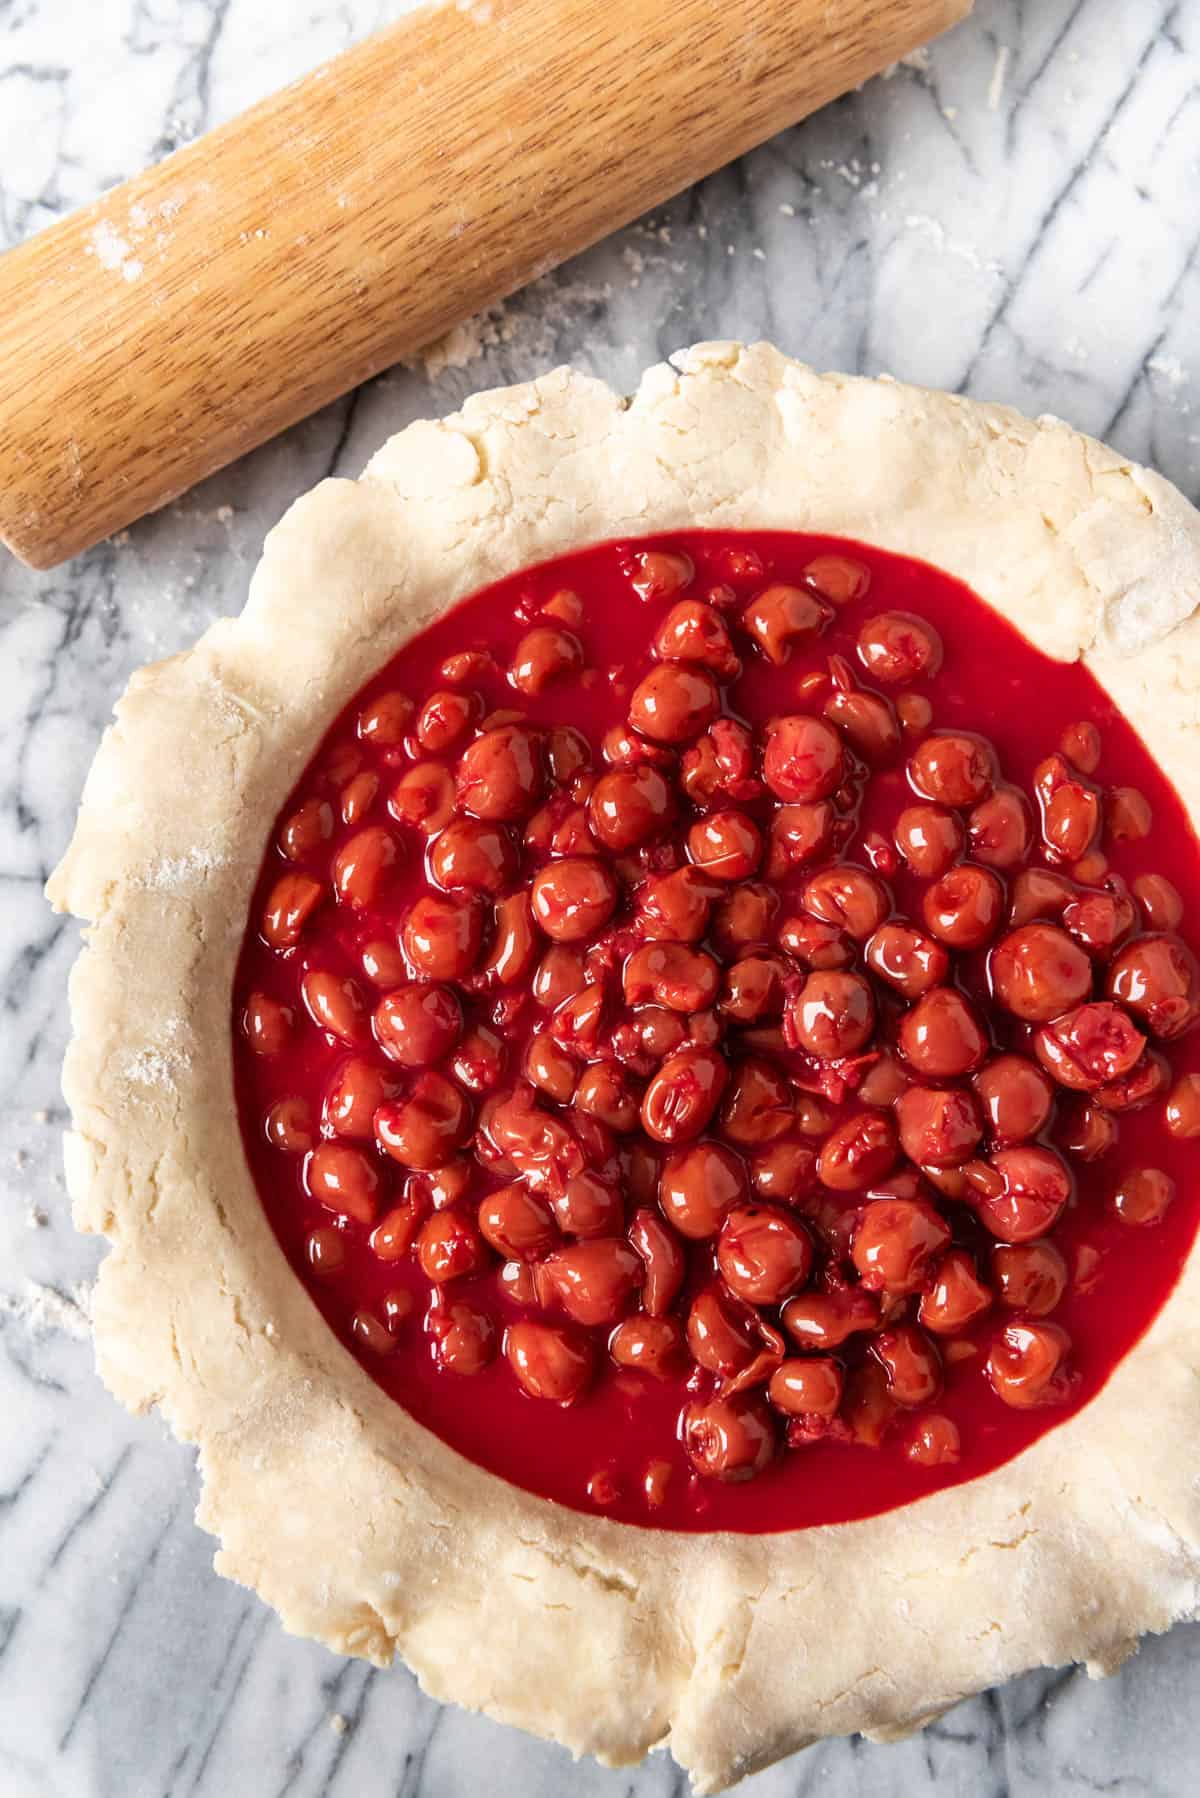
[531, 328]
[917, 60]
[113, 251]
[160, 1063]
[175, 873]
[999, 72]
[44, 1308]
[338, 1724]
[460, 347]
[147, 232]
[935, 231]
[1170, 369]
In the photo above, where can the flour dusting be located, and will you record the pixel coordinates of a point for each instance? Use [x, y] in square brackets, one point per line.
[176, 873]
[1169, 369]
[160, 1063]
[45, 1308]
[935, 231]
[917, 60]
[112, 251]
[531, 328]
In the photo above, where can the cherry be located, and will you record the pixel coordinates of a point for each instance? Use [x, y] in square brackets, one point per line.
[449, 1247]
[907, 960]
[1157, 978]
[1025, 1365]
[956, 1297]
[895, 1242]
[729, 1438]
[726, 846]
[684, 1094]
[290, 904]
[663, 1258]
[659, 573]
[718, 1334]
[826, 1320]
[343, 1180]
[700, 1185]
[952, 769]
[939, 1126]
[674, 702]
[417, 1024]
[803, 759]
[652, 1345]
[941, 1037]
[441, 936]
[1089, 1046]
[858, 1152]
[309, 827]
[586, 1205]
[573, 898]
[681, 978]
[798, 835]
[759, 1104]
[1029, 1276]
[764, 1255]
[1000, 829]
[1143, 1196]
[807, 1388]
[1035, 1187]
[463, 1337]
[594, 1280]
[911, 1363]
[833, 1015]
[930, 839]
[899, 647]
[695, 632]
[849, 899]
[384, 721]
[501, 774]
[1038, 972]
[551, 1361]
[629, 806]
[965, 907]
[518, 1225]
[472, 854]
[544, 654]
[1016, 1096]
[783, 618]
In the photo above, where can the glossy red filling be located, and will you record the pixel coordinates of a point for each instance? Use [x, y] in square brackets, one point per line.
[837, 1444]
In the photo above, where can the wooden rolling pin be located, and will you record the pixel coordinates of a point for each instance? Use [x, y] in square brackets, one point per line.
[356, 216]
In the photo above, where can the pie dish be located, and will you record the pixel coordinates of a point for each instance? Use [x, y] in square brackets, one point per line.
[635, 1055]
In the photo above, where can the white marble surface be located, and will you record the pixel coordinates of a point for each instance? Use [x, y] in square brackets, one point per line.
[1017, 219]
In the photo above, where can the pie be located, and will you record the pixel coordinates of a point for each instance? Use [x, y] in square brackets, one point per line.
[636, 1055]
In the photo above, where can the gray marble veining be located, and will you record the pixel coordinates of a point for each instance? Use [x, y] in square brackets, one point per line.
[1013, 217]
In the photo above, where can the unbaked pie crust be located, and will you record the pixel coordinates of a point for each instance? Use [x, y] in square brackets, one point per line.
[361, 1528]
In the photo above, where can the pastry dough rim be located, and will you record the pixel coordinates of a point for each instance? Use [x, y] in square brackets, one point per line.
[362, 1529]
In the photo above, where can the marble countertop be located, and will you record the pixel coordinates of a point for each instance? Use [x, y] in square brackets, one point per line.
[1013, 216]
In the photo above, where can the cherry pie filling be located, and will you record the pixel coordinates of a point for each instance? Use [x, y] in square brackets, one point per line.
[714, 1035]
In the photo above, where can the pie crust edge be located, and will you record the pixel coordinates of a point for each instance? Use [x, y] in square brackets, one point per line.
[357, 1525]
